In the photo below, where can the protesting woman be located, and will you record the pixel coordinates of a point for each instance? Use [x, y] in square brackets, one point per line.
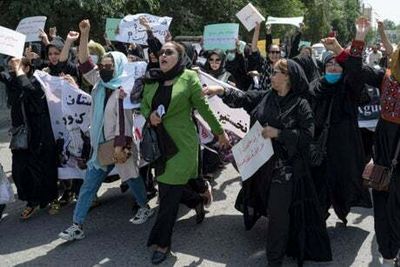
[282, 188]
[169, 96]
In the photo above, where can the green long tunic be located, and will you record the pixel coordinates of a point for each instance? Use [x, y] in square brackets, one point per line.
[186, 96]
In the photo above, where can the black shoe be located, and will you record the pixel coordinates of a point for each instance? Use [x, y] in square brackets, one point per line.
[200, 212]
[158, 257]
[397, 259]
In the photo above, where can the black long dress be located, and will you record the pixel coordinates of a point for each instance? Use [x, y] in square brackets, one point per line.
[282, 189]
[338, 179]
[34, 170]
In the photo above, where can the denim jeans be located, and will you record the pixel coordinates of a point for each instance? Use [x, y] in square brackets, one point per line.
[91, 184]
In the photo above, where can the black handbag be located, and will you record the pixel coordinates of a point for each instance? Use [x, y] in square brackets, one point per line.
[149, 148]
[20, 134]
[318, 151]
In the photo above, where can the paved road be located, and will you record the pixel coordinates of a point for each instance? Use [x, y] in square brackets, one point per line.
[112, 241]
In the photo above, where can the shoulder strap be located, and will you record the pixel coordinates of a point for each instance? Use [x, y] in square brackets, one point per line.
[328, 118]
[23, 109]
[121, 117]
[396, 154]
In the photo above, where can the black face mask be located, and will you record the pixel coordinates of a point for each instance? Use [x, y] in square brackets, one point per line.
[13, 75]
[106, 75]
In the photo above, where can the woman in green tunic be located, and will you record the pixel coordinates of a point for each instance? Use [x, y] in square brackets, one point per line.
[170, 94]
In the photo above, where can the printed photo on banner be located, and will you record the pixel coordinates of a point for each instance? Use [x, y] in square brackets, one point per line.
[69, 109]
[112, 25]
[11, 43]
[131, 31]
[220, 36]
[295, 21]
[132, 71]
[252, 152]
[232, 119]
[30, 27]
[248, 16]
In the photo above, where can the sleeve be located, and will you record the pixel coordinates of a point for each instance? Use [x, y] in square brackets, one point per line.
[145, 106]
[294, 50]
[239, 99]
[298, 139]
[153, 42]
[124, 124]
[255, 61]
[199, 102]
[89, 71]
[268, 42]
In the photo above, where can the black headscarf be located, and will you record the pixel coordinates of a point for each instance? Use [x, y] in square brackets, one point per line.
[309, 66]
[298, 79]
[221, 70]
[156, 75]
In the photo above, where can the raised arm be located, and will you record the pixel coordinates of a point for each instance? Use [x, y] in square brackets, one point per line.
[84, 27]
[256, 36]
[71, 38]
[386, 43]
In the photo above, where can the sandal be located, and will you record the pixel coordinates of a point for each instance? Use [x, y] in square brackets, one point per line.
[28, 212]
[54, 208]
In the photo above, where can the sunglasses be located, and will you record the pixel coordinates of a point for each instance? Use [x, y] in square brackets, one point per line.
[167, 52]
[275, 72]
[214, 60]
[274, 52]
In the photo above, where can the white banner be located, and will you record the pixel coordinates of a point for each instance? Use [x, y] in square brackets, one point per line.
[132, 71]
[252, 152]
[248, 16]
[295, 21]
[131, 31]
[233, 119]
[69, 109]
[11, 43]
[30, 27]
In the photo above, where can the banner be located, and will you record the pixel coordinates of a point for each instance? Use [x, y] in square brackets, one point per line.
[30, 27]
[131, 31]
[222, 36]
[69, 109]
[295, 21]
[252, 152]
[111, 26]
[132, 71]
[11, 43]
[368, 115]
[248, 16]
[232, 119]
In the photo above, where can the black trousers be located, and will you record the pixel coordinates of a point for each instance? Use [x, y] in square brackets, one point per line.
[170, 198]
[279, 201]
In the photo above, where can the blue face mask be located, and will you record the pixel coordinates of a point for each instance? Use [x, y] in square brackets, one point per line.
[333, 77]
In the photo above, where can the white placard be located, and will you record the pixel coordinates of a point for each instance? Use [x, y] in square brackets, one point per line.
[252, 152]
[235, 120]
[69, 109]
[30, 27]
[132, 71]
[295, 21]
[248, 16]
[131, 31]
[11, 42]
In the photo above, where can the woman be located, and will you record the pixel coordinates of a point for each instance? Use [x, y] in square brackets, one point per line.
[282, 189]
[109, 123]
[177, 92]
[263, 66]
[387, 134]
[215, 66]
[338, 177]
[34, 170]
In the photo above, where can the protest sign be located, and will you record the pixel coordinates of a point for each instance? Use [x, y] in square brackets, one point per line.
[222, 36]
[295, 21]
[11, 43]
[69, 109]
[248, 16]
[132, 71]
[131, 31]
[111, 26]
[30, 27]
[252, 152]
[261, 47]
[235, 120]
[304, 44]
[368, 114]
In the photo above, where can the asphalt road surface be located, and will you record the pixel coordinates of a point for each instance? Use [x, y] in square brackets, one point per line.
[111, 240]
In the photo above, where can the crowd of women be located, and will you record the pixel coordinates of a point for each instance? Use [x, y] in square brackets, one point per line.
[307, 107]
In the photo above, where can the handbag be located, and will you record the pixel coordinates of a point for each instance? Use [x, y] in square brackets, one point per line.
[377, 176]
[20, 134]
[105, 153]
[149, 148]
[318, 151]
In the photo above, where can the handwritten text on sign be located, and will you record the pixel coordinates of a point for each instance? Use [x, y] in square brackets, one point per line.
[248, 16]
[30, 27]
[11, 42]
[131, 31]
[252, 152]
[222, 36]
